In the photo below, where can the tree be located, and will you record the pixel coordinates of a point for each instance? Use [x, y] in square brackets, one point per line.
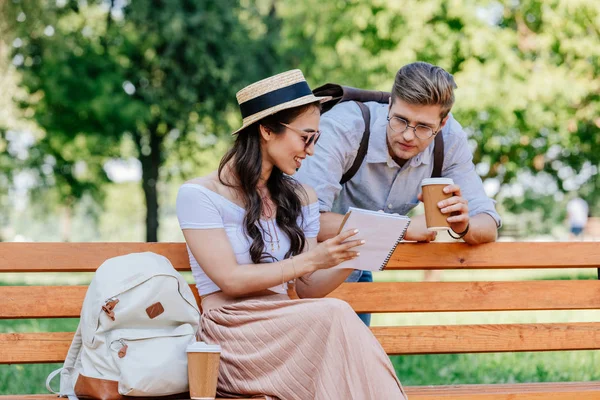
[152, 71]
[527, 73]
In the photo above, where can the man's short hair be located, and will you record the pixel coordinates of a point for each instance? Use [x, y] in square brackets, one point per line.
[421, 83]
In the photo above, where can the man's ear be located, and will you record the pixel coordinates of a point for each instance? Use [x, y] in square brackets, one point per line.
[444, 121]
[265, 133]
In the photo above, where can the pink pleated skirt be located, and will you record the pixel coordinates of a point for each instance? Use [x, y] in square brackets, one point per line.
[307, 349]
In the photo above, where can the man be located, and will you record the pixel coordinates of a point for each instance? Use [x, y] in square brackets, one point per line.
[399, 156]
[577, 215]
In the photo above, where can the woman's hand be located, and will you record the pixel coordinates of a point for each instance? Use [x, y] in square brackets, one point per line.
[334, 251]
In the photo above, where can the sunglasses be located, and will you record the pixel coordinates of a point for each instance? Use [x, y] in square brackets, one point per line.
[308, 140]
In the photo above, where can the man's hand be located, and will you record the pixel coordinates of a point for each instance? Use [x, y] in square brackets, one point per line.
[482, 227]
[417, 230]
[456, 207]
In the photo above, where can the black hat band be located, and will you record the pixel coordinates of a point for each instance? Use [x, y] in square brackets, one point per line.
[274, 98]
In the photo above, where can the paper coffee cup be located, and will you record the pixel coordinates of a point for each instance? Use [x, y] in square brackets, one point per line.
[203, 370]
[432, 194]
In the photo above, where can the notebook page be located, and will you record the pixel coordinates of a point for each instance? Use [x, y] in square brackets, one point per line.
[381, 232]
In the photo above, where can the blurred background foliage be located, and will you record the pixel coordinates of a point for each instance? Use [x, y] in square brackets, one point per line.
[107, 106]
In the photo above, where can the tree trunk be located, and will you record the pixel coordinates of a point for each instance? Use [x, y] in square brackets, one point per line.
[150, 166]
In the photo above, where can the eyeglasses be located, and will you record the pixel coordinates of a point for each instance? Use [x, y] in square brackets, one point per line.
[308, 140]
[400, 125]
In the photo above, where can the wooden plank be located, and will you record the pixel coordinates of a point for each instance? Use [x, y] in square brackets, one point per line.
[41, 301]
[73, 257]
[21, 348]
[470, 296]
[25, 348]
[80, 257]
[518, 391]
[20, 302]
[516, 255]
[378, 297]
[489, 338]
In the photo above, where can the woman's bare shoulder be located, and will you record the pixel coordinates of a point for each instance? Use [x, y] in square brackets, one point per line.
[213, 183]
[210, 181]
[307, 194]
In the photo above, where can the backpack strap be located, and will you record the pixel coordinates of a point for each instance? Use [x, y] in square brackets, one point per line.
[364, 144]
[341, 93]
[438, 155]
[67, 372]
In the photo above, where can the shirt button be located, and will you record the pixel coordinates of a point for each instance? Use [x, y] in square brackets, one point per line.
[390, 206]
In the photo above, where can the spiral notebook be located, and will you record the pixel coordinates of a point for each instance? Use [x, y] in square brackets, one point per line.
[382, 232]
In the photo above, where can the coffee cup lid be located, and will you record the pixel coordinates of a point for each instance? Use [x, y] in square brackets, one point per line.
[201, 347]
[437, 181]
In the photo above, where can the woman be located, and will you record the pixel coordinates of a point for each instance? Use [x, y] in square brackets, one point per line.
[250, 230]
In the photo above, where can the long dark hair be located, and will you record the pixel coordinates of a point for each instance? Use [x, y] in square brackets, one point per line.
[285, 191]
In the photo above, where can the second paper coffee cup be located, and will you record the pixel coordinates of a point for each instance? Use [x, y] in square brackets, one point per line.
[203, 370]
[432, 194]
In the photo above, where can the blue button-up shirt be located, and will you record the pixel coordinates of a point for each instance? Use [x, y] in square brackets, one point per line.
[380, 183]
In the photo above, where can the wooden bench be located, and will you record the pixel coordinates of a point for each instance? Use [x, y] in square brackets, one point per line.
[397, 297]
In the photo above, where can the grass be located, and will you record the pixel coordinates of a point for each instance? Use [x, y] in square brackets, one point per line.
[449, 369]
[443, 369]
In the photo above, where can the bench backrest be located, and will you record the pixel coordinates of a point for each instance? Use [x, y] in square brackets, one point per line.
[382, 297]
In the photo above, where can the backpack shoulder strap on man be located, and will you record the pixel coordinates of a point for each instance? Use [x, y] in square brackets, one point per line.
[438, 155]
[364, 144]
[340, 94]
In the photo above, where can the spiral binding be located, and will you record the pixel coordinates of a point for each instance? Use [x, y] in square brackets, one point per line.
[394, 248]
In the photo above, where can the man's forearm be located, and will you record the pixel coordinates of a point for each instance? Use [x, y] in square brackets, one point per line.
[330, 224]
[482, 229]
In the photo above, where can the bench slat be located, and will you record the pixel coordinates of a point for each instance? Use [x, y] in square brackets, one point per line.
[489, 338]
[80, 257]
[19, 302]
[65, 301]
[518, 391]
[21, 348]
[385, 297]
[73, 257]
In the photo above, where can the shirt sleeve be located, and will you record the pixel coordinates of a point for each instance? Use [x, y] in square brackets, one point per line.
[311, 224]
[196, 209]
[458, 165]
[342, 129]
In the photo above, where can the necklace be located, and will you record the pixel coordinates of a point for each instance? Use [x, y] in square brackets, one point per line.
[269, 213]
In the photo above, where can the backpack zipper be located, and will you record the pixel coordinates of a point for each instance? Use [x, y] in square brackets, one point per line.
[109, 306]
[123, 350]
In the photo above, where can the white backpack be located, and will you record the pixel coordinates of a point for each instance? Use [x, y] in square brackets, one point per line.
[137, 319]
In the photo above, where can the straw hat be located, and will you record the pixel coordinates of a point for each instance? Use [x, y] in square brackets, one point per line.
[271, 95]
